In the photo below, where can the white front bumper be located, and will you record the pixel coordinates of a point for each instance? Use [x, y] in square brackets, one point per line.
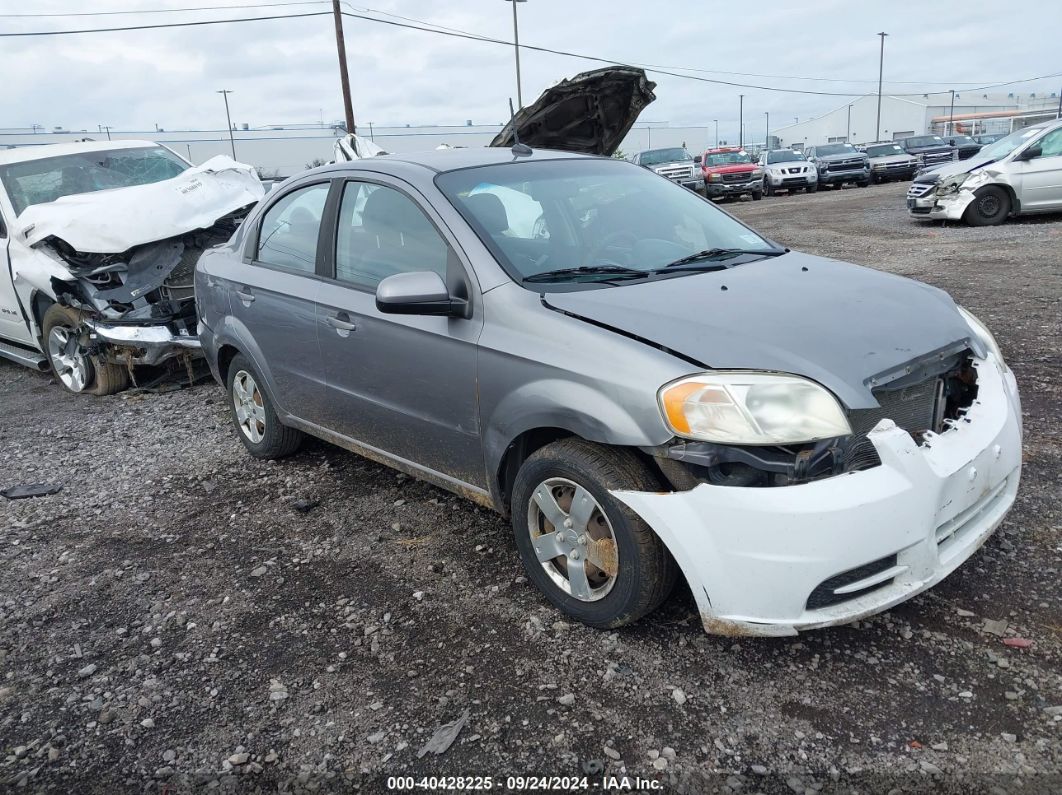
[753, 556]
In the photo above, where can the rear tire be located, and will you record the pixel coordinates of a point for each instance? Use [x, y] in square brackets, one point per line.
[256, 421]
[991, 206]
[757, 195]
[76, 372]
[865, 183]
[640, 572]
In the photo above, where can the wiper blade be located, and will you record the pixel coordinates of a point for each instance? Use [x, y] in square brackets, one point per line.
[560, 274]
[721, 253]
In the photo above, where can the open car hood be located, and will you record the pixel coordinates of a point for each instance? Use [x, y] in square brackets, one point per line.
[589, 113]
[116, 220]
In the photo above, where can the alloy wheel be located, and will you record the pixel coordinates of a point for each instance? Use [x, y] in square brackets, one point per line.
[72, 367]
[250, 406]
[573, 539]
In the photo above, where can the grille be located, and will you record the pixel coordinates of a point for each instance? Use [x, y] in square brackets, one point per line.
[937, 157]
[180, 284]
[676, 172]
[741, 176]
[914, 408]
[800, 170]
[846, 165]
[919, 189]
[824, 596]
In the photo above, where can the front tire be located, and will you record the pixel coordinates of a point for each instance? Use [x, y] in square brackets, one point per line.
[590, 555]
[768, 188]
[757, 195]
[256, 421]
[811, 188]
[75, 371]
[991, 206]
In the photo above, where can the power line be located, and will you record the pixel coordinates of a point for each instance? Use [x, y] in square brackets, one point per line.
[55, 14]
[456, 33]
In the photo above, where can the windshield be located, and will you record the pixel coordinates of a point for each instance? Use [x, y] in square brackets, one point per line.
[657, 156]
[1004, 146]
[784, 156]
[50, 178]
[926, 140]
[963, 139]
[726, 158]
[836, 149]
[885, 150]
[548, 215]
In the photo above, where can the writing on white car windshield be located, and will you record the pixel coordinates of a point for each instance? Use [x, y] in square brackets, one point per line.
[50, 178]
[836, 149]
[785, 156]
[577, 223]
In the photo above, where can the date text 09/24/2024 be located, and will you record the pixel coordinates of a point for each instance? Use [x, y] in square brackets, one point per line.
[522, 783]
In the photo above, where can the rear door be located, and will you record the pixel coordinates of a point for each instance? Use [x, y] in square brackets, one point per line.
[274, 293]
[403, 384]
[1041, 177]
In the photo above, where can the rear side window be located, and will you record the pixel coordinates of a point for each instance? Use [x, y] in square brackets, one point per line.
[288, 235]
[381, 232]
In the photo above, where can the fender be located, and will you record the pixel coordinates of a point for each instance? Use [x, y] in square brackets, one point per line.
[231, 331]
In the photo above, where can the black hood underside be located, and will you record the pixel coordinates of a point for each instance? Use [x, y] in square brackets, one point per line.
[590, 113]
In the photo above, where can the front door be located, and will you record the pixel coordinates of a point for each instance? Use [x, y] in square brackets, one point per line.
[404, 384]
[12, 322]
[1041, 177]
[274, 294]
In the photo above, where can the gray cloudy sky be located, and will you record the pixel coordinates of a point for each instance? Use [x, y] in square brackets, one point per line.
[286, 71]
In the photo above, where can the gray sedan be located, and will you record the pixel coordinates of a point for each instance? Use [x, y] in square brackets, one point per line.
[649, 389]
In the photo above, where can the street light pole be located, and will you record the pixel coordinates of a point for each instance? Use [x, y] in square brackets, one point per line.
[881, 72]
[516, 47]
[228, 120]
[716, 132]
[848, 135]
[951, 114]
[767, 131]
[741, 121]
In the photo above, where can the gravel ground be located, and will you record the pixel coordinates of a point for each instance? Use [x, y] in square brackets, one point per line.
[181, 616]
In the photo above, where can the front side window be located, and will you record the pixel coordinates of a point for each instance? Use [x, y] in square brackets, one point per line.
[382, 232]
[1051, 144]
[605, 219]
[289, 231]
[50, 178]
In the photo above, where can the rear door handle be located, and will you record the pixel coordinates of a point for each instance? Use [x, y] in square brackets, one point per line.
[245, 295]
[341, 323]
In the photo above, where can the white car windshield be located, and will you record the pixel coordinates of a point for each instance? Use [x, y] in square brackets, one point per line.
[1004, 146]
[595, 221]
[50, 178]
[784, 156]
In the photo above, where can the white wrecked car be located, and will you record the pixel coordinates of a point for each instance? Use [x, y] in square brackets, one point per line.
[98, 244]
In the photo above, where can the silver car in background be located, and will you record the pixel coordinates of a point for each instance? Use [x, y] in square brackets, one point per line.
[644, 385]
[787, 169]
[675, 163]
[889, 161]
[1016, 175]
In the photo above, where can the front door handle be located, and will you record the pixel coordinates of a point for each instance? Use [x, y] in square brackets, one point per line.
[341, 323]
[246, 296]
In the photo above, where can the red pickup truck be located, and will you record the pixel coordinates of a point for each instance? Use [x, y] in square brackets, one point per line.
[730, 171]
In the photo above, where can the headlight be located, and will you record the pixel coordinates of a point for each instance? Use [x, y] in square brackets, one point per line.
[952, 183]
[982, 333]
[751, 408]
[877, 166]
[757, 173]
[715, 177]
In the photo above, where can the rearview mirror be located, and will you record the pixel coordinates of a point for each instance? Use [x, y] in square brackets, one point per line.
[417, 293]
[697, 159]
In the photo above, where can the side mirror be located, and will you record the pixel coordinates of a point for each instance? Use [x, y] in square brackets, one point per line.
[1032, 151]
[698, 159]
[417, 293]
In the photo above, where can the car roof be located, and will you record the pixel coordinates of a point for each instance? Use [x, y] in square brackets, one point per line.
[442, 160]
[21, 154]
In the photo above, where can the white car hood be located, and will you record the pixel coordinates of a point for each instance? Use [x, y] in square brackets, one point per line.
[113, 221]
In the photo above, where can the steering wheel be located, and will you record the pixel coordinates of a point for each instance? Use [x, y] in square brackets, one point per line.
[613, 240]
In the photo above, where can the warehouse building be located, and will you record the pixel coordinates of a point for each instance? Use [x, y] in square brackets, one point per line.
[901, 116]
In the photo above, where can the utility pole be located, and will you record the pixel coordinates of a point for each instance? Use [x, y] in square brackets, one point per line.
[767, 131]
[741, 121]
[516, 47]
[951, 114]
[344, 78]
[1058, 113]
[228, 120]
[848, 135]
[881, 72]
[716, 132]
[107, 129]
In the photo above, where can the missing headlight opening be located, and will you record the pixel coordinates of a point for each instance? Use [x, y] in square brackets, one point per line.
[927, 402]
